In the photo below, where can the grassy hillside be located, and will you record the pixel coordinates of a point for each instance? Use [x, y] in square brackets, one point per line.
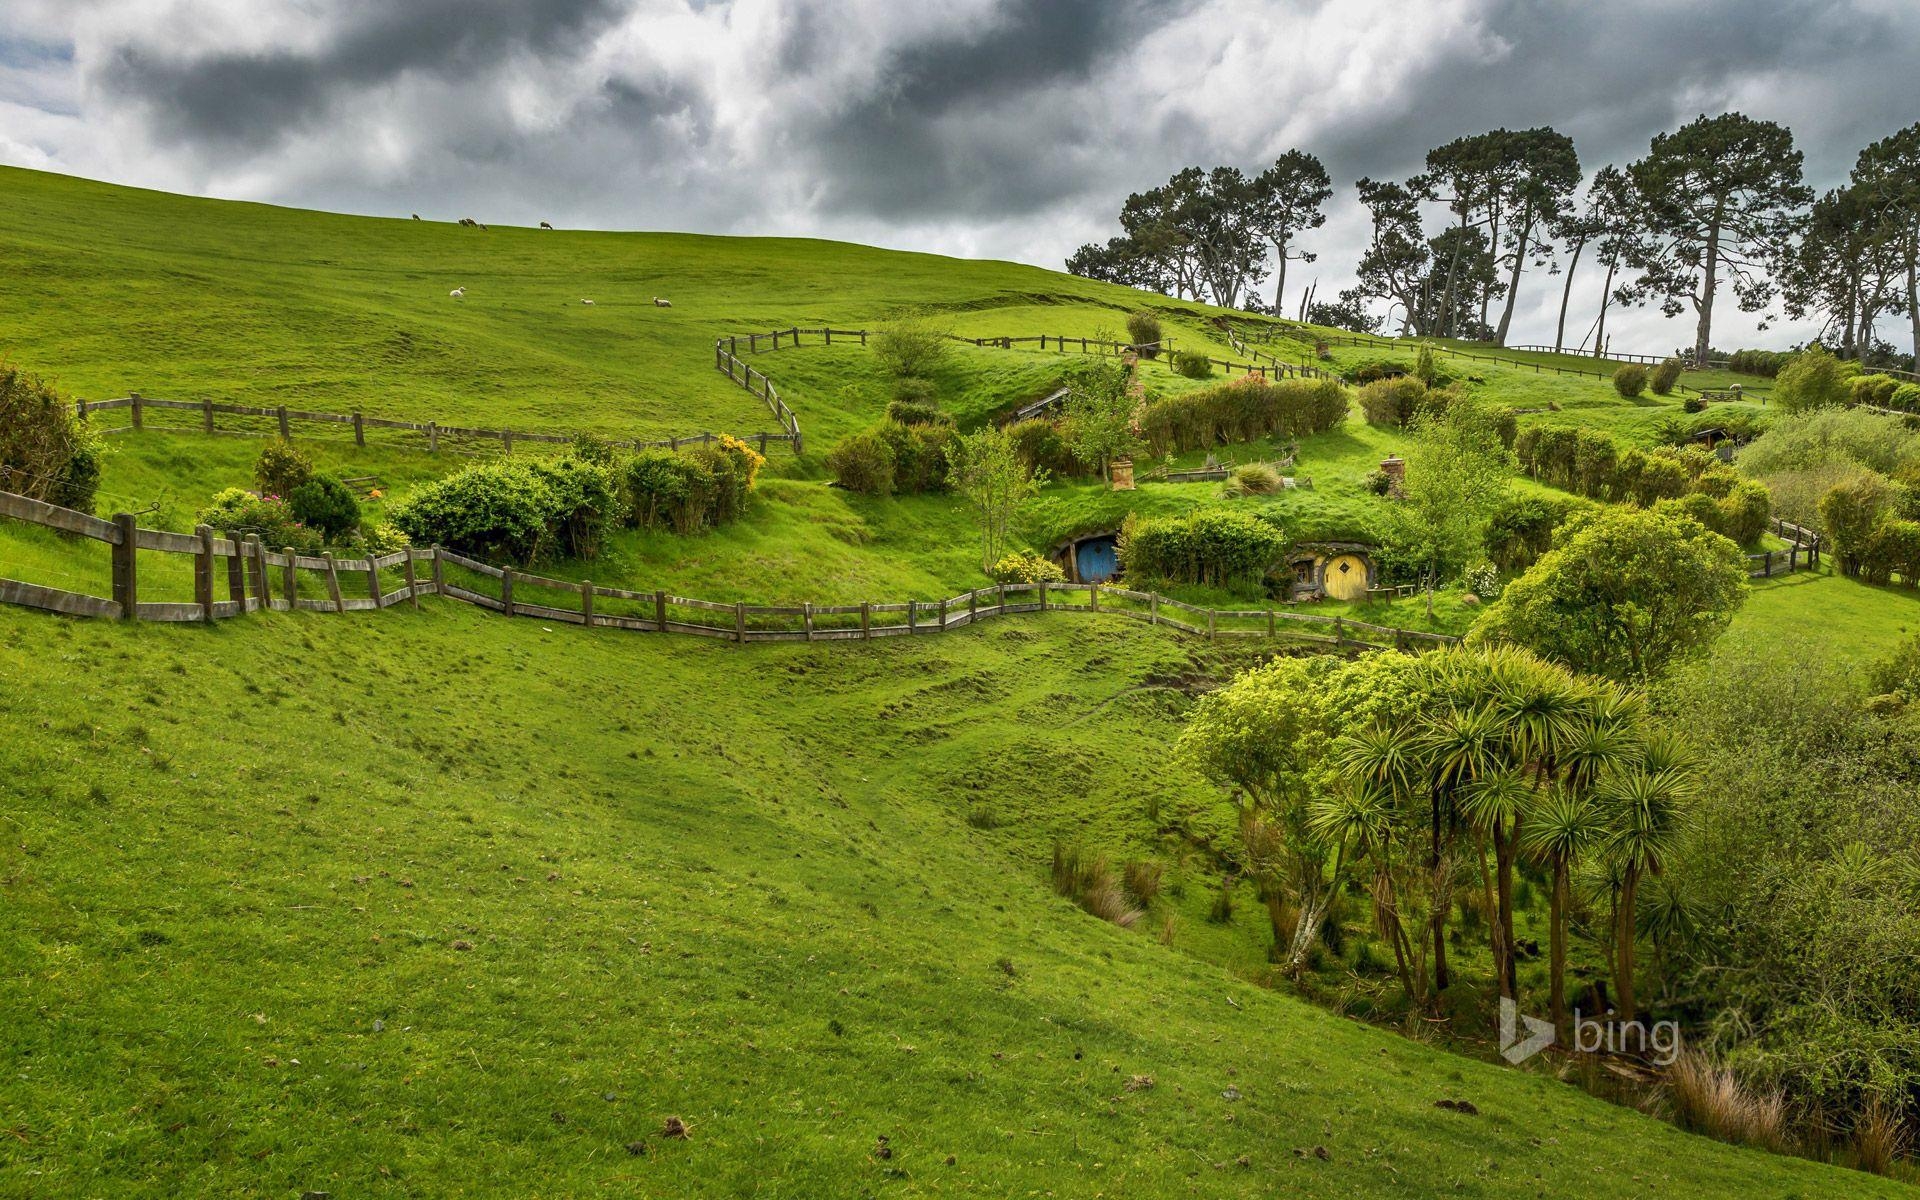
[442, 903]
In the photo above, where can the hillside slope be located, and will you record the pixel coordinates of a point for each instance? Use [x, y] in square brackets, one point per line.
[440, 903]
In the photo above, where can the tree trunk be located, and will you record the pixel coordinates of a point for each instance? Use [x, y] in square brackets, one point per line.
[1311, 914]
[1448, 324]
[1913, 291]
[1495, 941]
[1557, 946]
[1280, 275]
[1513, 281]
[1566, 296]
[1703, 336]
[1623, 945]
[1386, 919]
[1606, 298]
[1503, 848]
[1439, 902]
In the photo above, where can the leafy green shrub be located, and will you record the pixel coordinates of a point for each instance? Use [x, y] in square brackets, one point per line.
[1877, 390]
[1194, 364]
[1630, 380]
[1426, 370]
[922, 456]
[1143, 331]
[385, 538]
[1662, 378]
[516, 510]
[1814, 378]
[281, 468]
[1906, 398]
[1241, 410]
[1661, 478]
[1041, 447]
[910, 346]
[912, 390]
[912, 412]
[1377, 369]
[242, 514]
[1377, 482]
[1213, 546]
[1522, 529]
[325, 504]
[1851, 511]
[1764, 363]
[46, 452]
[1893, 548]
[863, 463]
[1027, 568]
[1396, 401]
[1693, 404]
[1899, 672]
[734, 467]
[665, 490]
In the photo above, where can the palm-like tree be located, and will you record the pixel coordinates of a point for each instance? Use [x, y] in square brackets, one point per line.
[1360, 818]
[1647, 809]
[1566, 825]
[1458, 749]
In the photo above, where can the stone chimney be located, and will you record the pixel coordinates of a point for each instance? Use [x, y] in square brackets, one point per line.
[1395, 469]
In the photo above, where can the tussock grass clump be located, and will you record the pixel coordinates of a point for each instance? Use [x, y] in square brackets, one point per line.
[1711, 1099]
[1090, 882]
[1143, 881]
[1252, 479]
[1879, 1139]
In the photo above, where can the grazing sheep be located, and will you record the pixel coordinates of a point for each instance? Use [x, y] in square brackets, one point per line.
[586, 302]
[416, 216]
[659, 303]
[544, 225]
[457, 293]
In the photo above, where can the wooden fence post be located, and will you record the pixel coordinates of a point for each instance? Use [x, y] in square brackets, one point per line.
[236, 573]
[289, 583]
[333, 583]
[913, 617]
[203, 572]
[1153, 608]
[866, 614]
[660, 611]
[283, 421]
[506, 591]
[135, 398]
[206, 414]
[433, 444]
[943, 616]
[740, 622]
[263, 583]
[359, 431]
[1043, 595]
[1093, 597]
[373, 580]
[406, 573]
[806, 617]
[506, 441]
[586, 603]
[439, 572]
[1000, 597]
[1211, 633]
[126, 584]
[973, 606]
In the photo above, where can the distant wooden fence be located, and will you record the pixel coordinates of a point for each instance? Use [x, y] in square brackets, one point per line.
[232, 576]
[1802, 553]
[281, 420]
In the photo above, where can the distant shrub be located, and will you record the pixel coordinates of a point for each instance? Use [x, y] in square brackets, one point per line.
[1814, 378]
[1143, 881]
[1194, 364]
[914, 391]
[922, 455]
[1424, 368]
[910, 345]
[46, 453]
[1212, 546]
[1522, 529]
[913, 412]
[1662, 378]
[242, 514]
[1027, 568]
[1384, 368]
[325, 504]
[1693, 404]
[1877, 390]
[1764, 363]
[1252, 479]
[385, 538]
[665, 490]
[1143, 331]
[1089, 882]
[1851, 511]
[1377, 482]
[1893, 548]
[863, 463]
[1241, 410]
[1041, 447]
[1630, 380]
[1395, 401]
[516, 510]
[734, 467]
[281, 468]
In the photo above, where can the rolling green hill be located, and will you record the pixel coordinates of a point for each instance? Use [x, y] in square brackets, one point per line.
[437, 903]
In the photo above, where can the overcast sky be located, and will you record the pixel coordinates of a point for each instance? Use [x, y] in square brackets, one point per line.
[988, 128]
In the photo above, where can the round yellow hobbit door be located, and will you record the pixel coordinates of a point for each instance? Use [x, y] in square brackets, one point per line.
[1345, 577]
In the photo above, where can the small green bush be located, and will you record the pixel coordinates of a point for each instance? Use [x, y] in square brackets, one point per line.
[666, 490]
[46, 453]
[1194, 364]
[1906, 398]
[242, 514]
[863, 463]
[1377, 369]
[912, 390]
[922, 455]
[1253, 479]
[1241, 410]
[325, 504]
[912, 412]
[1764, 363]
[1396, 401]
[910, 346]
[1143, 331]
[1041, 447]
[1899, 672]
[1893, 548]
[1630, 380]
[1693, 404]
[1213, 546]
[281, 468]
[1814, 378]
[1877, 390]
[1663, 377]
[515, 509]
[385, 538]
[1027, 568]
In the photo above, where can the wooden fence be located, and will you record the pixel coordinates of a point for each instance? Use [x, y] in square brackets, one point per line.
[232, 576]
[1801, 554]
[281, 420]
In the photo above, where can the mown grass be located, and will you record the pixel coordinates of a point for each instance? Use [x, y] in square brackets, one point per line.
[435, 902]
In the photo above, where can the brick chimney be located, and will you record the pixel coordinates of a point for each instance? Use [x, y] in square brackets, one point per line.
[1395, 469]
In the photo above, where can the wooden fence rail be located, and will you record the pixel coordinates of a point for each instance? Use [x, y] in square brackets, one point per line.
[283, 420]
[233, 576]
[1802, 552]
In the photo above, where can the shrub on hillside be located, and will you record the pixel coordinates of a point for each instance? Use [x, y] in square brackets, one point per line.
[1630, 380]
[1522, 529]
[1213, 546]
[46, 453]
[1041, 447]
[281, 467]
[913, 412]
[665, 490]
[385, 538]
[1241, 410]
[1814, 378]
[1194, 364]
[910, 346]
[325, 504]
[1252, 479]
[514, 510]
[734, 468]
[1143, 331]
[912, 390]
[863, 462]
[1876, 390]
[1893, 548]
[1377, 369]
[1851, 511]
[1764, 363]
[1027, 568]
[922, 455]
[1662, 378]
[242, 514]
[1396, 401]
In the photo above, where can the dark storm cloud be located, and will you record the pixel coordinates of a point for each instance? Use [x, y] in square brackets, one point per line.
[248, 101]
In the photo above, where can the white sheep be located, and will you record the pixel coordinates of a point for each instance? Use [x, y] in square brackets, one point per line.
[586, 302]
[457, 293]
[659, 303]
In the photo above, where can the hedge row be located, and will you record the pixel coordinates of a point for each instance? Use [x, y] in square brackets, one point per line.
[895, 457]
[1213, 546]
[1242, 410]
[1592, 464]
